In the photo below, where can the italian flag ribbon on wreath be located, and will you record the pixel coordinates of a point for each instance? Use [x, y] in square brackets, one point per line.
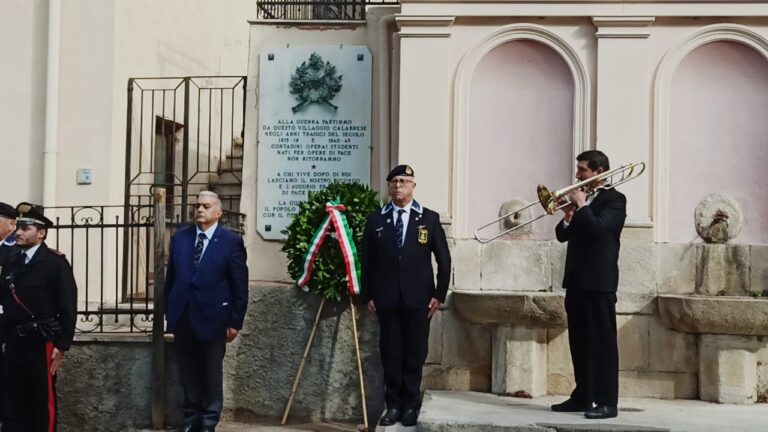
[348, 250]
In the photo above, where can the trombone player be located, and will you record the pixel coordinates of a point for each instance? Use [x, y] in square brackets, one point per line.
[592, 226]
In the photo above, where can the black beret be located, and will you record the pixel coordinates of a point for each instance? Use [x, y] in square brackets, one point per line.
[400, 170]
[7, 211]
[30, 214]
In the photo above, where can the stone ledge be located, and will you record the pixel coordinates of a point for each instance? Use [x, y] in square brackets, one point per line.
[529, 309]
[714, 315]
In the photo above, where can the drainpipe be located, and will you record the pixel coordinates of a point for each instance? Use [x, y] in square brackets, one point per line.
[51, 104]
[385, 87]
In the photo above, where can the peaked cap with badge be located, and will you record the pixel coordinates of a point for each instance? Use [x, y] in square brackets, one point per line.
[400, 170]
[7, 211]
[30, 214]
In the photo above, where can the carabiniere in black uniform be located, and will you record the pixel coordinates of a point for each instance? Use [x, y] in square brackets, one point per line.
[40, 302]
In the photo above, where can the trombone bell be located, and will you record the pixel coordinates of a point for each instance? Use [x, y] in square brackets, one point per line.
[547, 199]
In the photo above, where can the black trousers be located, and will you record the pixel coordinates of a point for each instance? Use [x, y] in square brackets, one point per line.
[403, 346]
[202, 376]
[31, 387]
[594, 347]
[5, 402]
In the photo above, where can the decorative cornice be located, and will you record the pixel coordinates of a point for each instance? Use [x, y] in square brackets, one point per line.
[622, 27]
[622, 21]
[424, 26]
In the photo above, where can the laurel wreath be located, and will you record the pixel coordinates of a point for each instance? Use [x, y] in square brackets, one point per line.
[329, 278]
[315, 82]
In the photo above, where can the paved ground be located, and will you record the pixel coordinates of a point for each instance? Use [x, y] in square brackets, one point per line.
[467, 411]
[242, 427]
[482, 412]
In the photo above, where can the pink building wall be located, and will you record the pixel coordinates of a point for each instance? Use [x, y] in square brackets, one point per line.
[521, 129]
[719, 137]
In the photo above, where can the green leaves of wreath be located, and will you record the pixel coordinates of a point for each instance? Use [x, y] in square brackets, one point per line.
[329, 278]
[315, 82]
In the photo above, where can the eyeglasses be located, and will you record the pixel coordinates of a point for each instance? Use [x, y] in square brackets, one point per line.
[399, 182]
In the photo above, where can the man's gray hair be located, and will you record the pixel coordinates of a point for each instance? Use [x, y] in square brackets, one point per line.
[210, 194]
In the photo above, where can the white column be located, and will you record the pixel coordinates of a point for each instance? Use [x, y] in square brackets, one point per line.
[624, 105]
[424, 106]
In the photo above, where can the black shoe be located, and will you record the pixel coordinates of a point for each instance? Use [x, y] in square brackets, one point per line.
[410, 415]
[390, 417]
[571, 406]
[188, 428]
[601, 412]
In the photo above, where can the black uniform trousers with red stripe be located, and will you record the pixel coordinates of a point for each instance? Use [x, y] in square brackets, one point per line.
[33, 388]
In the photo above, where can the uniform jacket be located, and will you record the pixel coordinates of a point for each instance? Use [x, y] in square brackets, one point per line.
[216, 295]
[593, 237]
[8, 250]
[390, 273]
[46, 286]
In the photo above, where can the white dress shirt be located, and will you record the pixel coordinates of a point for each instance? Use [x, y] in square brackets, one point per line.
[29, 253]
[406, 217]
[208, 236]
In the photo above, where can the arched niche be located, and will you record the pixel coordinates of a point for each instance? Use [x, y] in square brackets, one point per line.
[521, 115]
[711, 130]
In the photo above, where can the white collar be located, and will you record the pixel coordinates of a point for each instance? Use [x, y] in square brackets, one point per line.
[31, 251]
[413, 205]
[208, 233]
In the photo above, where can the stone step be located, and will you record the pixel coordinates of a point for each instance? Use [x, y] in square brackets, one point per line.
[226, 189]
[444, 411]
[226, 177]
[232, 163]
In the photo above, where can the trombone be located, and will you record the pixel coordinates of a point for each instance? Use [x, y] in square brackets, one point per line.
[551, 200]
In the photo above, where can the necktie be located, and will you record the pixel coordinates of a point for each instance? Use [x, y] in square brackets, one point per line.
[399, 228]
[26, 258]
[199, 248]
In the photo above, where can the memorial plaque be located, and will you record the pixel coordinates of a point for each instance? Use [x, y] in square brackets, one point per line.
[314, 127]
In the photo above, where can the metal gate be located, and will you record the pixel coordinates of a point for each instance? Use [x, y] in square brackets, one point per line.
[184, 135]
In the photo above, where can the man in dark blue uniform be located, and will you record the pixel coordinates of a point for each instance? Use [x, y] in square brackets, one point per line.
[8, 250]
[399, 287]
[592, 227]
[40, 303]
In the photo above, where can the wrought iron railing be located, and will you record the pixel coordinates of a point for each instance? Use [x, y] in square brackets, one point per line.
[113, 261]
[317, 10]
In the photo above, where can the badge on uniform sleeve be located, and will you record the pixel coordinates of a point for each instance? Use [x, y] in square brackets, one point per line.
[423, 234]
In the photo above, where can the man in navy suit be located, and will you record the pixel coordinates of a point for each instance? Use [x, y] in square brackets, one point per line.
[399, 287]
[592, 227]
[206, 291]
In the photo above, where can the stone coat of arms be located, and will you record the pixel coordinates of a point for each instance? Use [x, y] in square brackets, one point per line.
[315, 81]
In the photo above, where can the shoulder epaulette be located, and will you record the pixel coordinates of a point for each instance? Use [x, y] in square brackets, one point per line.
[56, 252]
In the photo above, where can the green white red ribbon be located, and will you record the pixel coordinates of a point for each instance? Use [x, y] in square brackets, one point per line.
[348, 250]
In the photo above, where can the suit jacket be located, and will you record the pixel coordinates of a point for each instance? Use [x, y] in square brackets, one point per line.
[216, 294]
[593, 237]
[391, 273]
